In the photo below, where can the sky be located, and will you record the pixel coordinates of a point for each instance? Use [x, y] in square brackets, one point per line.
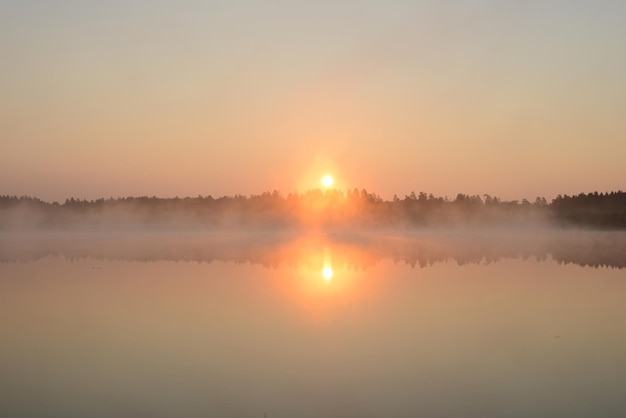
[515, 99]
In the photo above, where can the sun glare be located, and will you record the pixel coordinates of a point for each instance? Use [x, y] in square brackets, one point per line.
[327, 272]
[328, 181]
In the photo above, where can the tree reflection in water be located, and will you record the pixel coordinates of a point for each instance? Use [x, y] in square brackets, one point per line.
[326, 252]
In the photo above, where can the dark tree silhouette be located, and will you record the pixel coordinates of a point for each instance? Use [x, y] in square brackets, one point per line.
[316, 208]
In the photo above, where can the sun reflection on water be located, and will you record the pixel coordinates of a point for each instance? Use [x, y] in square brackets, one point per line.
[327, 272]
[323, 276]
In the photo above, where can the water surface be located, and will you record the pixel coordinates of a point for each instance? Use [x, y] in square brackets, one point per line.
[197, 325]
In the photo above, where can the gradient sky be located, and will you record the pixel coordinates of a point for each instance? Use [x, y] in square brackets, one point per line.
[511, 98]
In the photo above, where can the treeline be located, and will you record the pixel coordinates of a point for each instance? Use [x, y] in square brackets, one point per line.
[331, 208]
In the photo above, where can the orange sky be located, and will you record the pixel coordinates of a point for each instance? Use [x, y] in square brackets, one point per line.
[514, 99]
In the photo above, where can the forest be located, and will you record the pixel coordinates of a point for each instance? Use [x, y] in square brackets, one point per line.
[316, 208]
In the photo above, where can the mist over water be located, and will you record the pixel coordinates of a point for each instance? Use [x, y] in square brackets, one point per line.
[446, 322]
[316, 297]
[352, 249]
[321, 304]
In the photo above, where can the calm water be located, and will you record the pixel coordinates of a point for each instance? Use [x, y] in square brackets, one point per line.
[433, 325]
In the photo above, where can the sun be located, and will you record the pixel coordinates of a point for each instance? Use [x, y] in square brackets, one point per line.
[328, 181]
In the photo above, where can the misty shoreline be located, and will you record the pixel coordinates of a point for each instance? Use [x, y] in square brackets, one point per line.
[315, 209]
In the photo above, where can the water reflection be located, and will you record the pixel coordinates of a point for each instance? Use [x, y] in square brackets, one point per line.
[326, 252]
[327, 272]
[307, 326]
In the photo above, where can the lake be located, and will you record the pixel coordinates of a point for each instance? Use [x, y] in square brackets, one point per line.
[433, 324]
